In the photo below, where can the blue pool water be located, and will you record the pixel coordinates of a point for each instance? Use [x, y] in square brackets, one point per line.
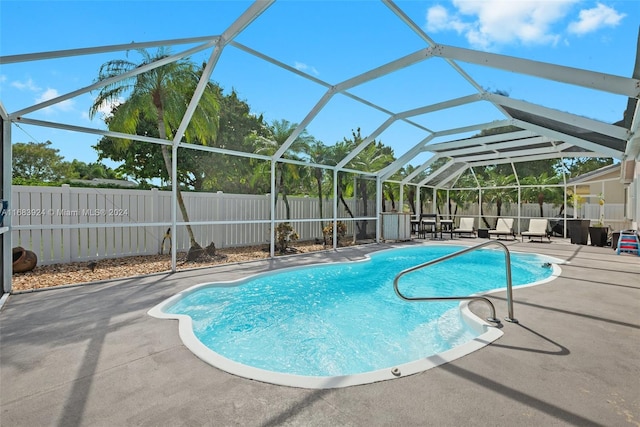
[345, 319]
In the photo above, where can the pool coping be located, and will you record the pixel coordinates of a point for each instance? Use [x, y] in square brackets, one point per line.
[488, 333]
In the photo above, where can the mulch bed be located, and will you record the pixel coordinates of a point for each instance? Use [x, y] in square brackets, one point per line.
[46, 276]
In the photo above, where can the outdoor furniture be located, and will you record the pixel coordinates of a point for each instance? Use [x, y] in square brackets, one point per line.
[466, 227]
[415, 224]
[446, 226]
[538, 227]
[428, 224]
[504, 227]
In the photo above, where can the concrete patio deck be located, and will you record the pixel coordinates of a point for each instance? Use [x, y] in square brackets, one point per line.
[91, 356]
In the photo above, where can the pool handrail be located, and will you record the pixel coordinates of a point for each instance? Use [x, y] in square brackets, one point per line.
[492, 318]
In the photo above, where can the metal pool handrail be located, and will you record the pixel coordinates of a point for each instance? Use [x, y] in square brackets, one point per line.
[493, 318]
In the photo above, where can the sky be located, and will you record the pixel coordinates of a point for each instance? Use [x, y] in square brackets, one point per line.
[332, 41]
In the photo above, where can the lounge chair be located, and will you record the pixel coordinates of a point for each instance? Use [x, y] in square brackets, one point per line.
[466, 227]
[538, 227]
[504, 227]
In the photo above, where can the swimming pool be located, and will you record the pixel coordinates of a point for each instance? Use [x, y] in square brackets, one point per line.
[340, 324]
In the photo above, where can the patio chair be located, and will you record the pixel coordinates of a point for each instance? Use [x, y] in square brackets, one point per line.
[504, 227]
[538, 227]
[428, 224]
[466, 227]
[445, 226]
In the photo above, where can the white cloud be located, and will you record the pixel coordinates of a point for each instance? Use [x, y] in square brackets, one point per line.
[593, 19]
[300, 66]
[66, 105]
[107, 107]
[491, 23]
[439, 19]
[28, 85]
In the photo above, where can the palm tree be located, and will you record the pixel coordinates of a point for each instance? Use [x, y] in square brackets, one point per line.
[463, 198]
[161, 94]
[541, 193]
[319, 154]
[497, 193]
[286, 173]
[336, 153]
[372, 158]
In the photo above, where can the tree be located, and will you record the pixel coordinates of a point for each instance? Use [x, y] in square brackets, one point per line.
[496, 193]
[162, 95]
[374, 157]
[579, 166]
[238, 131]
[540, 193]
[82, 170]
[141, 161]
[409, 190]
[37, 161]
[287, 174]
[336, 153]
[318, 153]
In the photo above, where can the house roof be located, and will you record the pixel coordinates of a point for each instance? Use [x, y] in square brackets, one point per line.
[593, 175]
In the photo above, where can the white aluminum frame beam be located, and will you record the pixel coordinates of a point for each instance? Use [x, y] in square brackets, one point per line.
[383, 70]
[305, 122]
[323, 83]
[561, 116]
[471, 128]
[416, 29]
[365, 142]
[418, 170]
[7, 173]
[81, 129]
[153, 140]
[456, 102]
[392, 168]
[3, 112]
[39, 56]
[436, 173]
[575, 76]
[409, 22]
[536, 157]
[277, 63]
[510, 154]
[482, 140]
[197, 93]
[451, 103]
[97, 85]
[249, 15]
[452, 177]
[632, 150]
[559, 136]
[496, 147]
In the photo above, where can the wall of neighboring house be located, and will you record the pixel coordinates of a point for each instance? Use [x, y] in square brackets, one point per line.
[608, 185]
[616, 189]
[633, 197]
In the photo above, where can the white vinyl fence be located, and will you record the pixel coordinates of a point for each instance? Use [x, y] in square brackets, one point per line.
[67, 224]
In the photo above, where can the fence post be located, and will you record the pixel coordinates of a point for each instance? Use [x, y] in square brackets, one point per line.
[156, 217]
[67, 246]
